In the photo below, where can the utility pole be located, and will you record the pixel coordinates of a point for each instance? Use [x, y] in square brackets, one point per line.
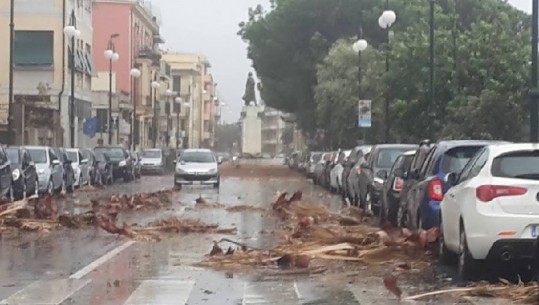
[534, 90]
[431, 68]
[10, 135]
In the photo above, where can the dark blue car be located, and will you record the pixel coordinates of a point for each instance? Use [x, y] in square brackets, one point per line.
[426, 187]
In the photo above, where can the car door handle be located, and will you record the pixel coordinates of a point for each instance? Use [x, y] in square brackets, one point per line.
[451, 195]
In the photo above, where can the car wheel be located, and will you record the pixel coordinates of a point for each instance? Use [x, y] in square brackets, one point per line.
[446, 257]
[178, 186]
[467, 265]
[50, 187]
[401, 217]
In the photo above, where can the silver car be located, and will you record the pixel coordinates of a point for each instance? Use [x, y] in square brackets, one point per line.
[197, 166]
[152, 161]
[79, 165]
[50, 172]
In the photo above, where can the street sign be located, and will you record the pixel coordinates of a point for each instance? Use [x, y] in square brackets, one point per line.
[364, 113]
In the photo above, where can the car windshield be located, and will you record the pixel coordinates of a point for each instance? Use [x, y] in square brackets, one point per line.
[13, 155]
[39, 156]
[456, 158]
[403, 162]
[386, 157]
[197, 157]
[100, 156]
[519, 165]
[73, 156]
[151, 154]
[115, 154]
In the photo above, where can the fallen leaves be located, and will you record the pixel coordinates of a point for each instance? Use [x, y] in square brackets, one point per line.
[520, 293]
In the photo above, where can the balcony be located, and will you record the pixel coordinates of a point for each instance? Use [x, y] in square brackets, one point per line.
[148, 53]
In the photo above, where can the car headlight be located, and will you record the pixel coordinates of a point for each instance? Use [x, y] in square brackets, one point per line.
[41, 171]
[122, 163]
[212, 171]
[16, 174]
[180, 171]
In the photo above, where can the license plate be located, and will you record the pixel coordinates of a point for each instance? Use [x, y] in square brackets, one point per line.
[534, 231]
[196, 182]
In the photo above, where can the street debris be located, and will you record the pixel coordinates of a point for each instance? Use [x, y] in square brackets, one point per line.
[244, 208]
[42, 214]
[315, 234]
[519, 293]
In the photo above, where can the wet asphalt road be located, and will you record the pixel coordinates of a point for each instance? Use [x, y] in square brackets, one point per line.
[89, 266]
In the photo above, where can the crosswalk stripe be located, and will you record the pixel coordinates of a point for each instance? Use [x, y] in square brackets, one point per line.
[161, 292]
[282, 293]
[46, 292]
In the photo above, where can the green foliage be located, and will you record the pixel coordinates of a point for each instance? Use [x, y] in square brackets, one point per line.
[301, 51]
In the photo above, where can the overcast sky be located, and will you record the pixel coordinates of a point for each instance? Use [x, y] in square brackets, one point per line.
[209, 27]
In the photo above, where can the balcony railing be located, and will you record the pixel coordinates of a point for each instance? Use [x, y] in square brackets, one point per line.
[148, 53]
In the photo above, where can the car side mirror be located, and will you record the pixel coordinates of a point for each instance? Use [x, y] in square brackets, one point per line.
[382, 174]
[399, 173]
[55, 162]
[219, 160]
[451, 179]
[84, 161]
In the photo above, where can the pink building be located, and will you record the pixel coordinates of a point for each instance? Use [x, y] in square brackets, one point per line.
[132, 28]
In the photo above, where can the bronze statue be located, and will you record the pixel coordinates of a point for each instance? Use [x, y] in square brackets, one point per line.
[249, 95]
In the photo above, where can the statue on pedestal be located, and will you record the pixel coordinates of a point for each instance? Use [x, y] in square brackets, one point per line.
[249, 95]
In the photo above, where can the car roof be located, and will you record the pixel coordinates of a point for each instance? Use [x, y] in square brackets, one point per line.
[385, 146]
[508, 147]
[73, 149]
[152, 149]
[455, 143]
[37, 147]
[409, 153]
[197, 150]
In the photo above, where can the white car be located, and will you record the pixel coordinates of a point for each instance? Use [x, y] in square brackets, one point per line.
[335, 175]
[79, 165]
[197, 166]
[491, 212]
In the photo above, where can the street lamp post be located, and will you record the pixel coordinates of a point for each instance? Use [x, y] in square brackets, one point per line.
[534, 90]
[358, 47]
[10, 136]
[169, 93]
[155, 86]
[135, 74]
[431, 68]
[385, 21]
[178, 101]
[72, 33]
[112, 56]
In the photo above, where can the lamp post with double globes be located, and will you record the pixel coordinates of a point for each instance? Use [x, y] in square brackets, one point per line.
[178, 100]
[386, 20]
[135, 74]
[358, 47]
[72, 33]
[155, 85]
[168, 108]
[111, 56]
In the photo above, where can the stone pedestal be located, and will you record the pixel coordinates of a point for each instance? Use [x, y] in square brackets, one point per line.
[251, 133]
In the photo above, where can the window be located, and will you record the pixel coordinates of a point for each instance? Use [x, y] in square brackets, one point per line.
[517, 164]
[13, 155]
[428, 161]
[177, 84]
[33, 48]
[102, 119]
[197, 157]
[474, 166]
[386, 157]
[456, 158]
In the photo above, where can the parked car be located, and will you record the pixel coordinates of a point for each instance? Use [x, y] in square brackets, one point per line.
[197, 166]
[24, 174]
[336, 172]
[104, 169]
[491, 209]
[89, 155]
[6, 176]
[326, 181]
[279, 158]
[422, 201]
[393, 184]
[351, 171]
[50, 171]
[69, 172]
[137, 164]
[122, 164]
[375, 170]
[319, 167]
[79, 165]
[152, 161]
[313, 159]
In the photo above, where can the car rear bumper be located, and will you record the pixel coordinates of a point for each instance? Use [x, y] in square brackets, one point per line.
[507, 250]
[195, 179]
[151, 168]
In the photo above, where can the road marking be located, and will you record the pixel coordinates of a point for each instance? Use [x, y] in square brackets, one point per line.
[271, 293]
[161, 292]
[296, 290]
[100, 261]
[46, 292]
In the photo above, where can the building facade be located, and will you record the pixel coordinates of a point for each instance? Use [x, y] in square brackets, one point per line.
[272, 130]
[131, 28]
[41, 71]
[193, 82]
